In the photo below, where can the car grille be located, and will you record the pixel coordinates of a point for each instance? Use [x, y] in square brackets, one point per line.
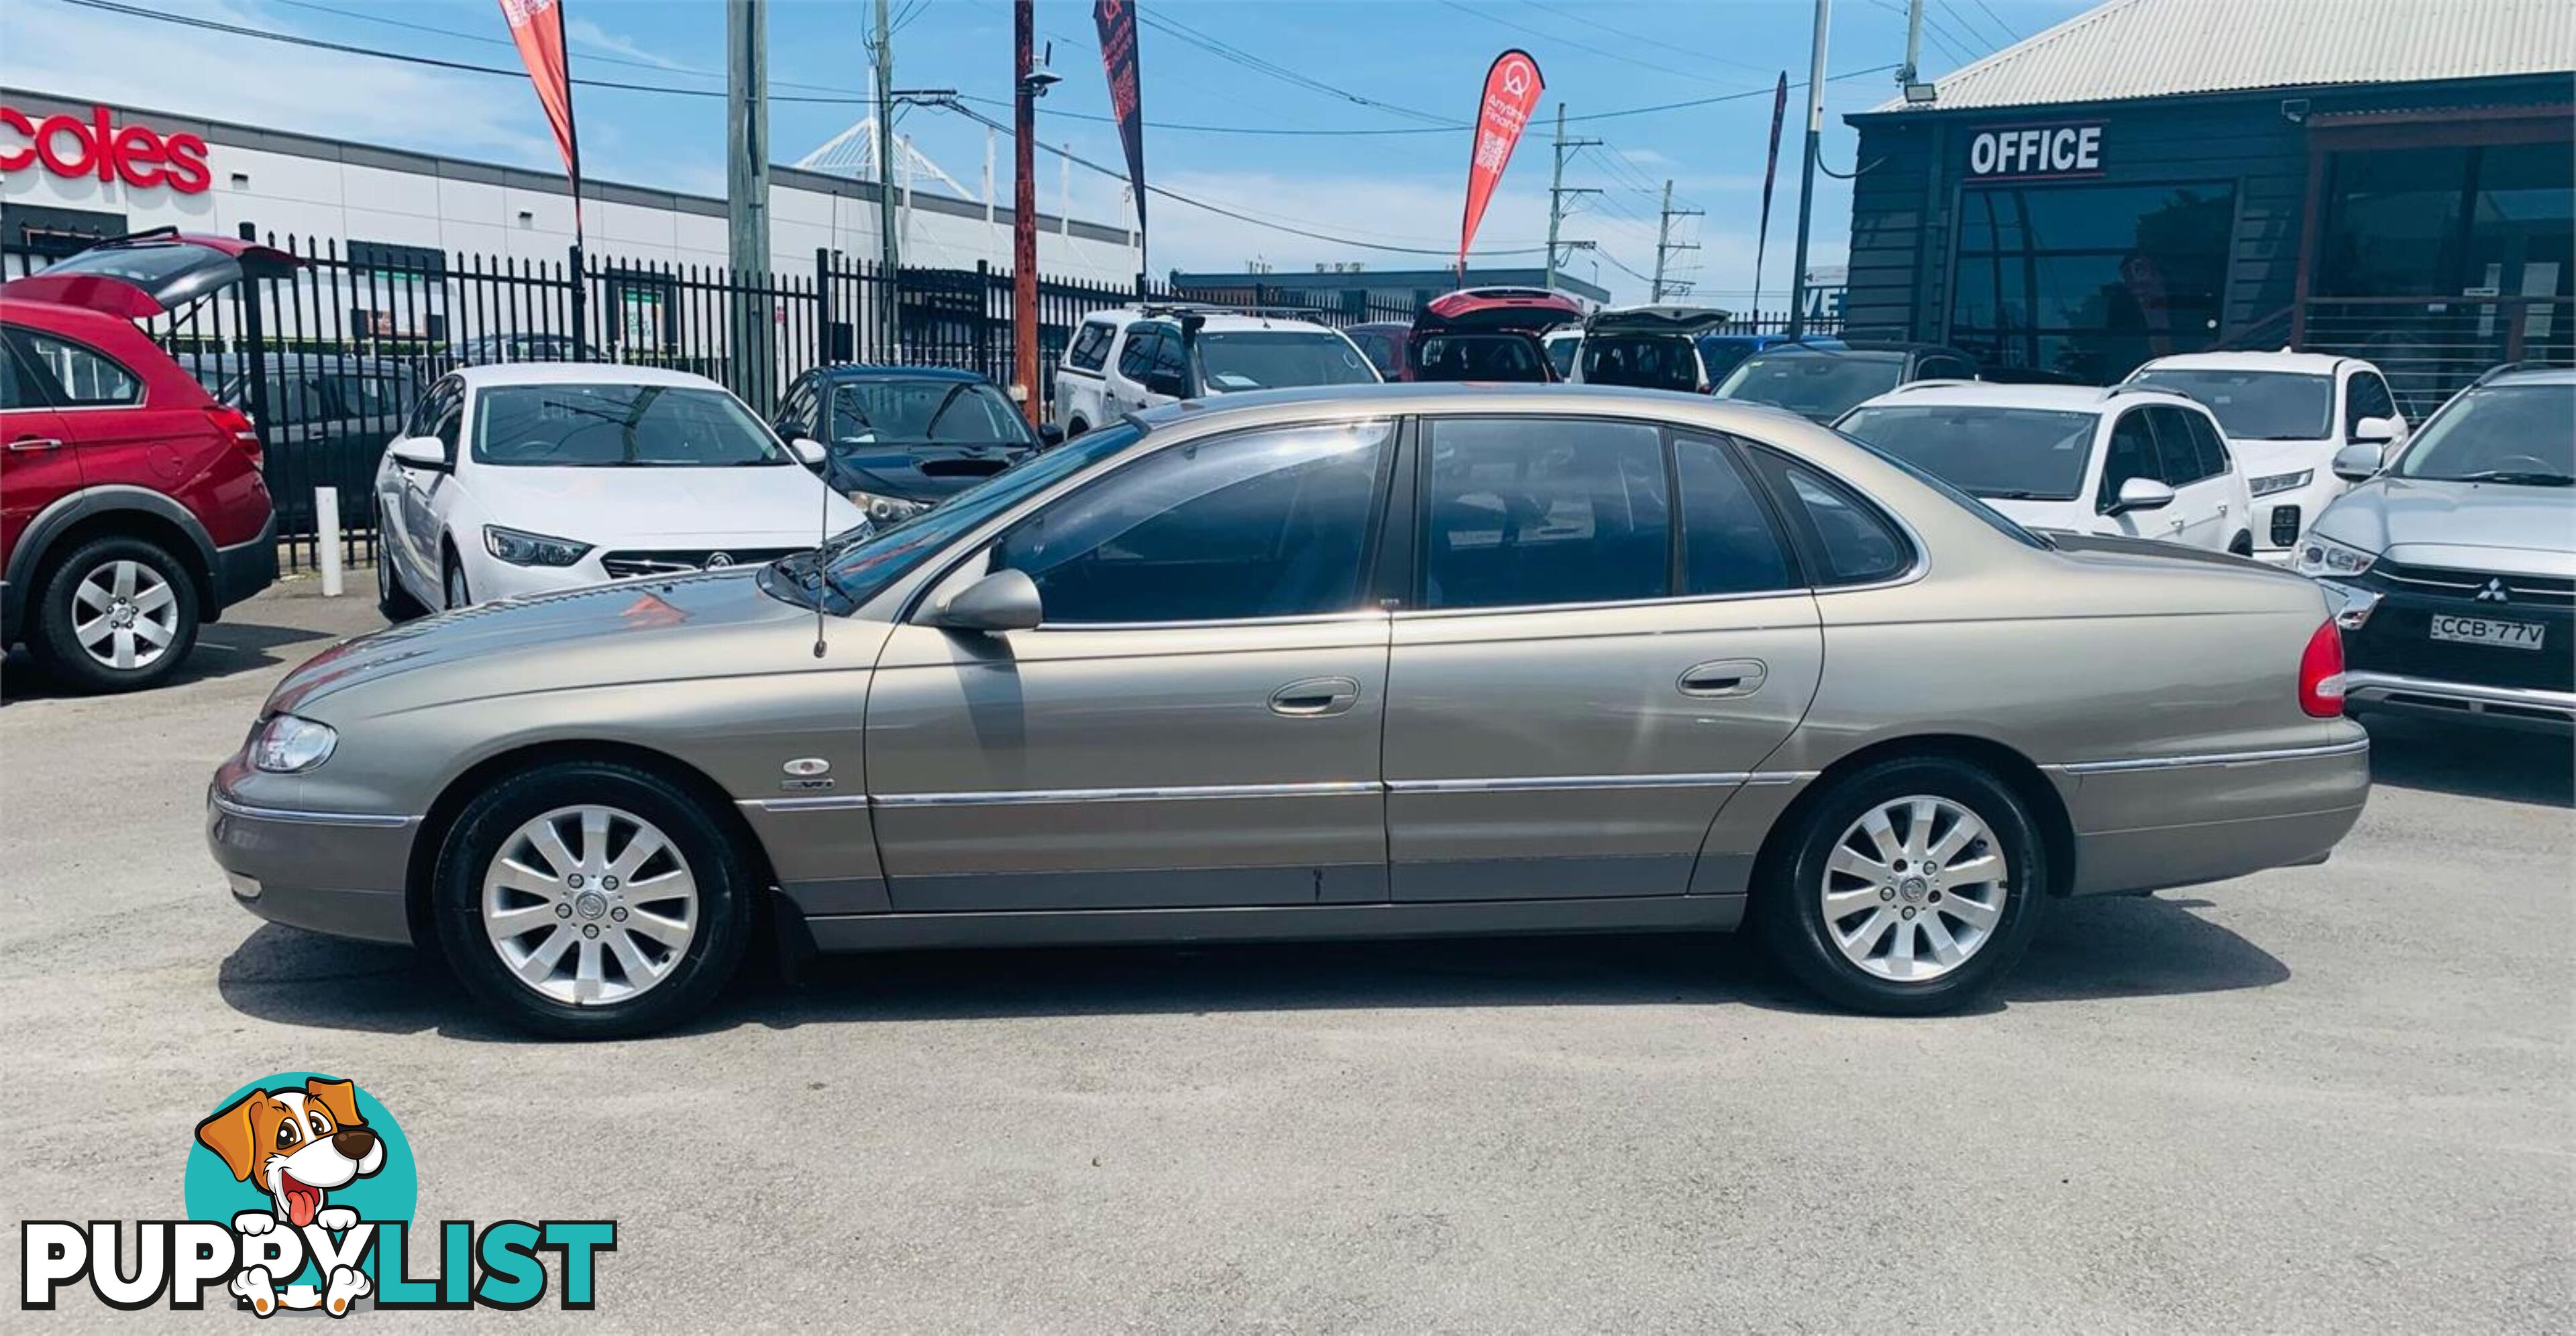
[675, 561]
[2398, 636]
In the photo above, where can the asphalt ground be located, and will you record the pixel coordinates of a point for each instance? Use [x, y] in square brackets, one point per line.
[2330, 1098]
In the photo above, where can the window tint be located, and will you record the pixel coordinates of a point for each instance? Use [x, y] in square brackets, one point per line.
[1728, 544]
[2366, 397]
[2177, 454]
[76, 375]
[1528, 511]
[796, 411]
[2132, 454]
[442, 401]
[1090, 346]
[1857, 545]
[449, 425]
[12, 394]
[1264, 524]
[1137, 358]
[2205, 439]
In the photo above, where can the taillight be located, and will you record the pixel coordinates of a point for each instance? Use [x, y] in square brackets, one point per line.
[2321, 673]
[235, 423]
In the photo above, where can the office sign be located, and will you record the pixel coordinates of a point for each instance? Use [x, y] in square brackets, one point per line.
[2028, 151]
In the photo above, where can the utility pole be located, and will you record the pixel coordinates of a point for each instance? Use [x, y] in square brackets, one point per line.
[889, 251]
[747, 196]
[1913, 41]
[1557, 190]
[1024, 208]
[1665, 245]
[1807, 169]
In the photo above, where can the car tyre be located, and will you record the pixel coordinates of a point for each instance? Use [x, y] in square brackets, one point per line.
[394, 601]
[108, 600]
[451, 581]
[1892, 965]
[489, 909]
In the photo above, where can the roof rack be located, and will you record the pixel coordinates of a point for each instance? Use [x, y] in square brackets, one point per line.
[2508, 368]
[2131, 387]
[1180, 308]
[1933, 383]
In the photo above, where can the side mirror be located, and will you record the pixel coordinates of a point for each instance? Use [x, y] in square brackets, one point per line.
[2374, 431]
[2141, 494]
[421, 452]
[2360, 462]
[807, 450]
[1049, 436]
[1001, 601]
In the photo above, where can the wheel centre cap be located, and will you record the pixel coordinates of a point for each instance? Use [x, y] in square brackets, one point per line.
[1913, 888]
[590, 904]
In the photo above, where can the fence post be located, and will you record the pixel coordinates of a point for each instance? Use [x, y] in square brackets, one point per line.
[580, 304]
[822, 305]
[984, 318]
[254, 349]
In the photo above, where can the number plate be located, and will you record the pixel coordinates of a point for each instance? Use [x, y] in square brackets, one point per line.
[2480, 631]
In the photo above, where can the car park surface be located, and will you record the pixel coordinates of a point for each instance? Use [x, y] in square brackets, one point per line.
[2327, 1097]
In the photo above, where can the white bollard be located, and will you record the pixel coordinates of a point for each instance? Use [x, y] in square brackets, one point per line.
[326, 524]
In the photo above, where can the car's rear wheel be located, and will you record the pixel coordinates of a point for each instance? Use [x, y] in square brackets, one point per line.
[117, 614]
[587, 900]
[394, 601]
[1911, 887]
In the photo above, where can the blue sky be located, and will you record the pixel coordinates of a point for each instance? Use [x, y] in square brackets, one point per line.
[1393, 190]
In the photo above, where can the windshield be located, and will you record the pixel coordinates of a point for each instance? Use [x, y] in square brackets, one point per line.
[2013, 454]
[862, 562]
[944, 412]
[1723, 355]
[617, 426]
[1274, 359]
[1505, 357]
[2256, 405]
[2503, 433]
[1822, 386]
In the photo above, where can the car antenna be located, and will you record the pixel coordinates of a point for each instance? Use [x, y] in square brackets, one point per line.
[822, 536]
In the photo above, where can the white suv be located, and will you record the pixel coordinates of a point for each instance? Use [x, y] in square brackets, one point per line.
[2286, 414]
[1136, 357]
[2128, 461]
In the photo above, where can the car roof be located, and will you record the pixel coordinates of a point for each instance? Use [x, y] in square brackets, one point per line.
[1218, 320]
[1993, 394]
[2314, 364]
[2530, 375]
[1469, 397]
[872, 371]
[36, 311]
[576, 373]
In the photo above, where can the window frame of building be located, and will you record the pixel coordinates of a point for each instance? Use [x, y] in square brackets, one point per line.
[2006, 344]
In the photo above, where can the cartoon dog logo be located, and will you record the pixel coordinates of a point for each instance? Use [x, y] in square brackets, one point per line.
[296, 1146]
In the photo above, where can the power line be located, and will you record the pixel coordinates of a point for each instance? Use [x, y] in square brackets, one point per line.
[1214, 46]
[1589, 21]
[1579, 46]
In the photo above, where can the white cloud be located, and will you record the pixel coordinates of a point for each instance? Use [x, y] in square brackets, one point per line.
[584, 32]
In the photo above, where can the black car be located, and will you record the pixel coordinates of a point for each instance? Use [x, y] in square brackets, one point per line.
[1823, 380]
[898, 440]
[328, 417]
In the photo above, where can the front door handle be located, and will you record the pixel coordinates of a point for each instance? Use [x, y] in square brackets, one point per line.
[1724, 677]
[29, 445]
[1315, 696]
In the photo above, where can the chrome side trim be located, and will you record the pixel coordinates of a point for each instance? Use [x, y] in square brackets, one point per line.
[2363, 685]
[1177, 793]
[2217, 758]
[370, 820]
[827, 803]
[1529, 783]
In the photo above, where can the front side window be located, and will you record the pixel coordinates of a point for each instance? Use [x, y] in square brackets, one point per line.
[1532, 511]
[1136, 360]
[2366, 396]
[1818, 385]
[1276, 359]
[2132, 455]
[2011, 454]
[944, 412]
[80, 376]
[1728, 543]
[433, 405]
[796, 410]
[2510, 434]
[2256, 405]
[619, 426]
[1270, 523]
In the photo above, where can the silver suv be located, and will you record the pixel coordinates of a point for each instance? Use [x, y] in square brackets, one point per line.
[2457, 559]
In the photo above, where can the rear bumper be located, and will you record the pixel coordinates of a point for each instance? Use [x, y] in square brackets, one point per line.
[339, 873]
[2149, 824]
[2516, 706]
[245, 569]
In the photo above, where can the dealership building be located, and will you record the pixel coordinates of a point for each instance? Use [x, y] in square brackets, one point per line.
[2388, 179]
[72, 171]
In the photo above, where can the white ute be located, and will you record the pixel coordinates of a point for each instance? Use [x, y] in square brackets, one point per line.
[1135, 357]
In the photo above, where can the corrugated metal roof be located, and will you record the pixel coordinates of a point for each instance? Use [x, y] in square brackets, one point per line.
[2153, 48]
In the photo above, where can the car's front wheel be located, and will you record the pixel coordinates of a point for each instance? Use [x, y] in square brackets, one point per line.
[394, 601]
[1910, 887]
[589, 899]
[117, 614]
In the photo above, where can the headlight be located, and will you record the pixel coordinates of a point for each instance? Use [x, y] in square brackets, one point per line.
[885, 510]
[2280, 482]
[2326, 557]
[286, 745]
[521, 548]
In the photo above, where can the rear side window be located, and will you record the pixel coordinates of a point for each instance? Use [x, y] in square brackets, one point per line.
[1090, 349]
[1526, 512]
[2212, 447]
[1850, 541]
[12, 393]
[1728, 543]
[75, 375]
[2178, 455]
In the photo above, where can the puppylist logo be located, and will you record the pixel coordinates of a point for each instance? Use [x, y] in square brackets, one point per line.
[300, 1193]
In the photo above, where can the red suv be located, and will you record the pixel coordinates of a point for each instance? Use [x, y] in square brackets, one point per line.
[132, 506]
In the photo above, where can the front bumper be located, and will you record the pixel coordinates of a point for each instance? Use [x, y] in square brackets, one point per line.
[2515, 706]
[2144, 825]
[341, 873]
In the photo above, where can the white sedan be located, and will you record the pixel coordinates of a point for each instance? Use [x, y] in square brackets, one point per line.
[2128, 461]
[536, 476]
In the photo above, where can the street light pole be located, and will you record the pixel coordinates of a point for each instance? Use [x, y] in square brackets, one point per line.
[1807, 169]
[1024, 207]
[889, 258]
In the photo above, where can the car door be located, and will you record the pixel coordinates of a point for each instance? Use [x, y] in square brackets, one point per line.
[37, 465]
[1584, 671]
[1197, 720]
[2203, 514]
[441, 416]
[1124, 390]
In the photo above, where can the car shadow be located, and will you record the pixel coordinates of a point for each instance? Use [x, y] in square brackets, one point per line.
[2472, 761]
[2086, 949]
[222, 649]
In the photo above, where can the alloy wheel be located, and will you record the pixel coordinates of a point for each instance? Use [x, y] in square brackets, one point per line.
[1914, 888]
[124, 614]
[589, 905]
[456, 592]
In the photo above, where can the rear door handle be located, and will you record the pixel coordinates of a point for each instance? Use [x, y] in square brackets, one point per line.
[29, 445]
[1724, 677]
[1315, 696]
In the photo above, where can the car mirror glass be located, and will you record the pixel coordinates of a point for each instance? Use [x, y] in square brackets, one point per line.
[2360, 462]
[1006, 600]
